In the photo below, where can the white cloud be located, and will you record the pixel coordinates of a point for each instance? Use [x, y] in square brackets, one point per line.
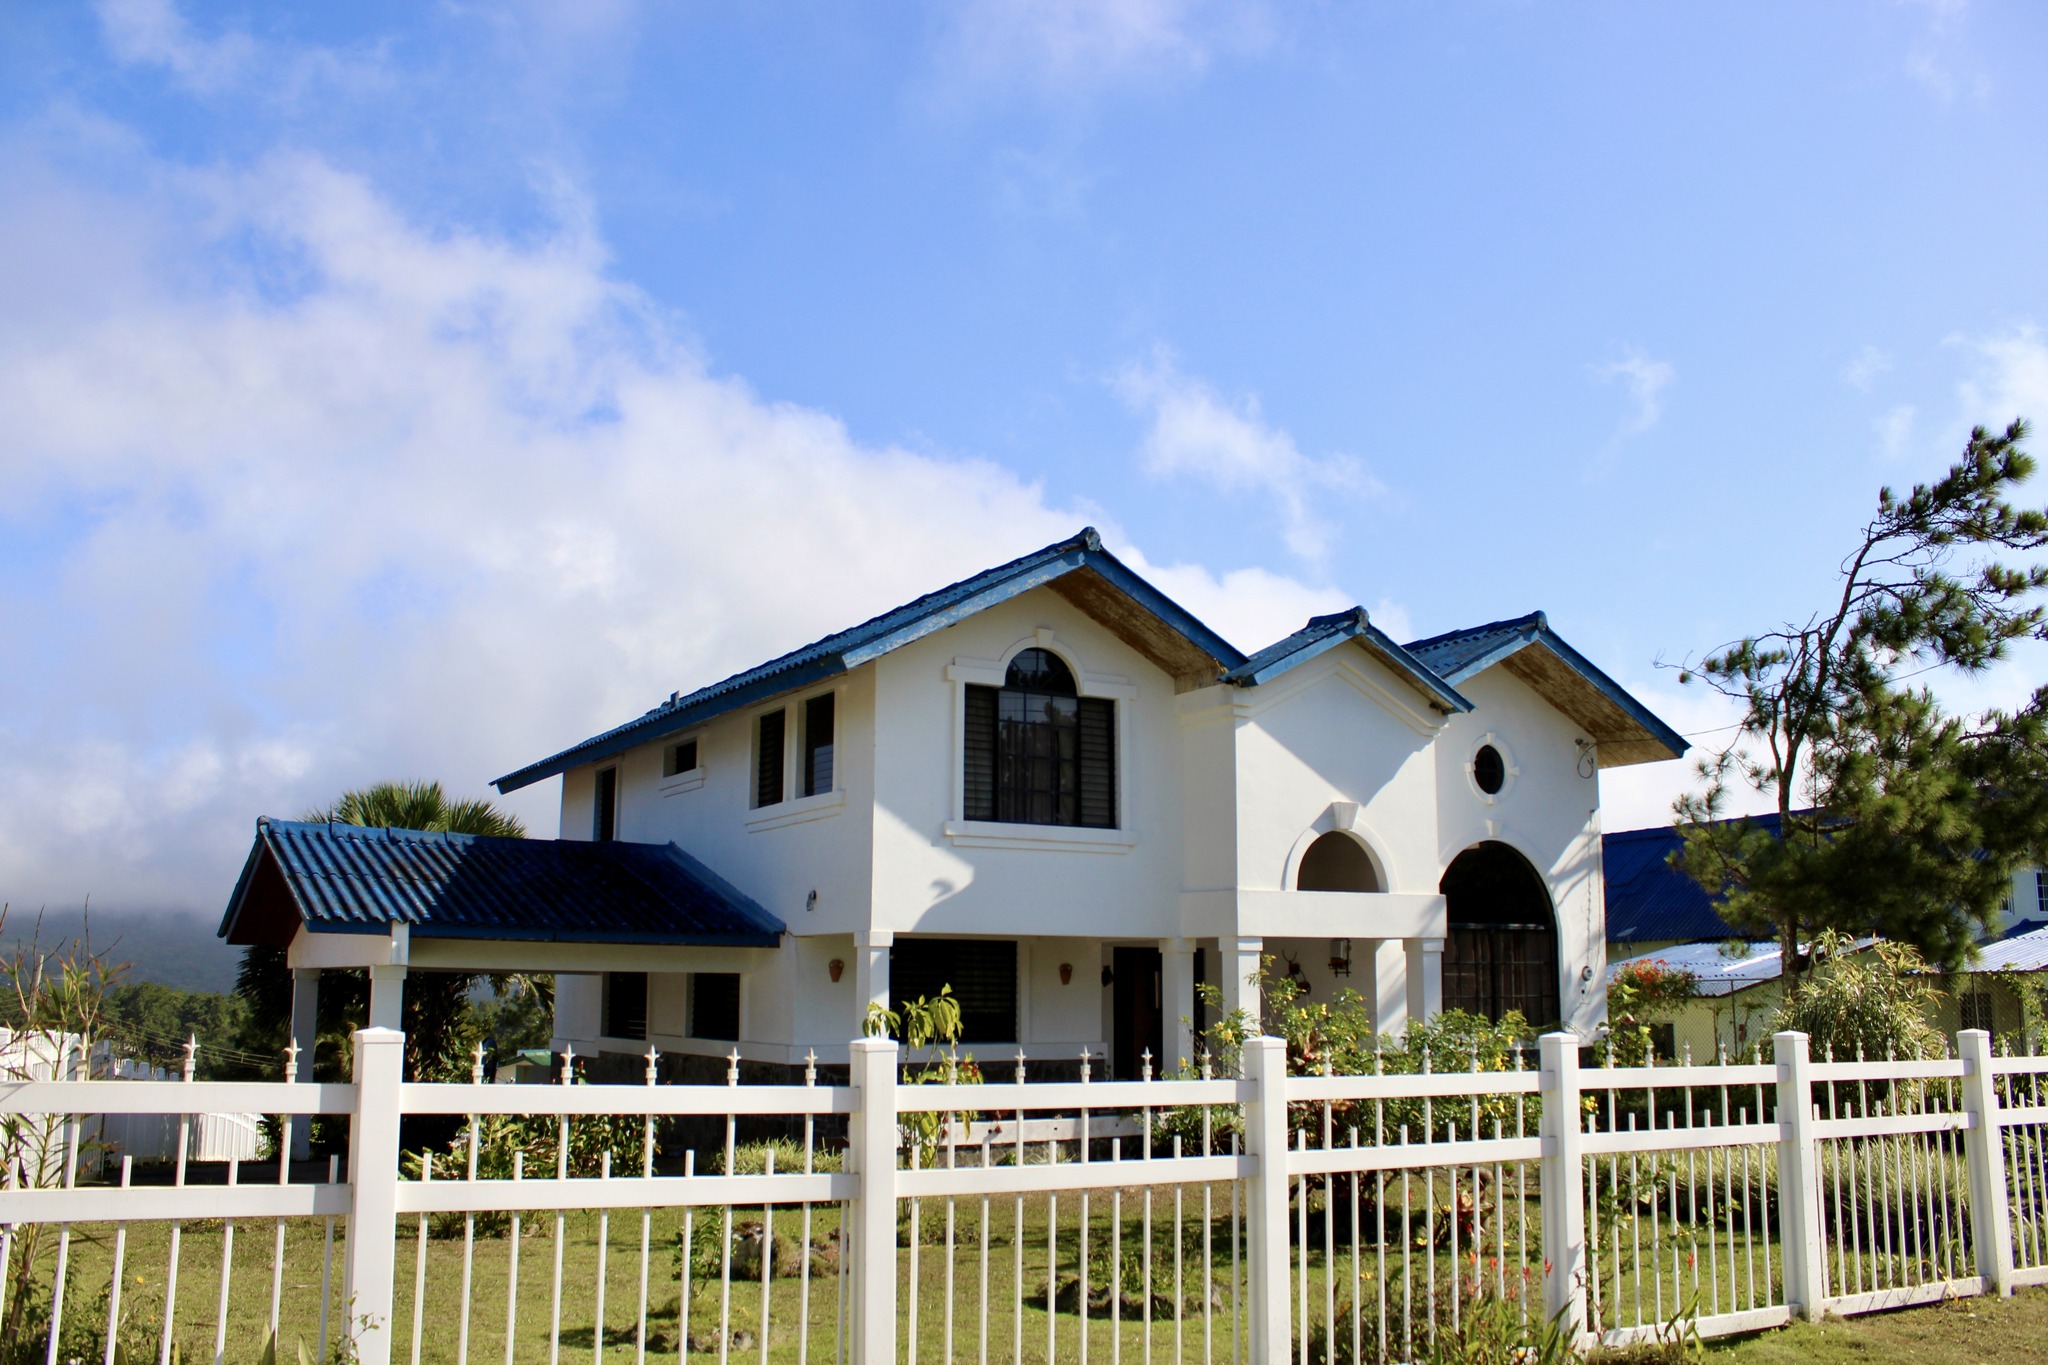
[155, 33]
[1864, 368]
[1646, 379]
[2012, 380]
[1937, 58]
[1895, 432]
[1065, 49]
[398, 502]
[1196, 433]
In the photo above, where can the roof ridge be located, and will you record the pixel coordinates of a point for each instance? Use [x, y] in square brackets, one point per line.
[1538, 619]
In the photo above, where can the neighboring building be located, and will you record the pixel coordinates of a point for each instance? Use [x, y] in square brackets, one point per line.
[1053, 789]
[1655, 911]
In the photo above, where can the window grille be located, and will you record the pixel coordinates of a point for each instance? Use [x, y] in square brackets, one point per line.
[768, 758]
[1037, 753]
[982, 973]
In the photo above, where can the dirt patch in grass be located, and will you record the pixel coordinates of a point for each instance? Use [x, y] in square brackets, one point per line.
[1974, 1331]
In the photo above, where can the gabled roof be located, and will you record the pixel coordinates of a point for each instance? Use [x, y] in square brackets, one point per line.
[1079, 569]
[354, 879]
[1324, 633]
[1623, 728]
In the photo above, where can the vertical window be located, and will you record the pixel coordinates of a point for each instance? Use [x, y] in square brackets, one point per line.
[768, 758]
[605, 822]
[625, 1004]
[682, 758]
[2041, 891]
[817, 745]
[715, 1006]
[1037, 753]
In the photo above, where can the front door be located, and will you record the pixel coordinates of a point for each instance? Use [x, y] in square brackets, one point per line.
[1137, 1012]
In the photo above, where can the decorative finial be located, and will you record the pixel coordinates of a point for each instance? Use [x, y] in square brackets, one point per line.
[291, 1062]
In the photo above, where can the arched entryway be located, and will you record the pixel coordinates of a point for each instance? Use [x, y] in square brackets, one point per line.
[1336, 862]
[1501, 953]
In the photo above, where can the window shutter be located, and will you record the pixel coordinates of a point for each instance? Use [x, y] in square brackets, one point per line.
[1098, 762]
[978, 762]
[982, 973]
[768, 760]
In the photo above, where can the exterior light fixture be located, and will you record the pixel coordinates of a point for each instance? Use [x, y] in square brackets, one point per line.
[1066, 972]
[811, 901]
[835, 968]
[1340, 957]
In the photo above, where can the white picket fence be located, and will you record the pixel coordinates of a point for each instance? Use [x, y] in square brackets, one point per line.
[1264, 1217]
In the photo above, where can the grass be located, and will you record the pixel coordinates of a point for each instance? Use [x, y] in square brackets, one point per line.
[1961, 1332]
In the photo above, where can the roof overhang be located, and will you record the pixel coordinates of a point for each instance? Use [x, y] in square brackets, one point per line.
[1325, 633]
[1080, 570]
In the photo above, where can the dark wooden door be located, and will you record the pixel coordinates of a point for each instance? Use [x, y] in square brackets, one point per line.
[1136, 1009]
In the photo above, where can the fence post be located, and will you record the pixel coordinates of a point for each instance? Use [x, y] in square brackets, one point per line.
[1562, 1184]
[1799, 1178]
[1265, 1131]
[373, 1194]
[1984, 1151]
[871, 1145]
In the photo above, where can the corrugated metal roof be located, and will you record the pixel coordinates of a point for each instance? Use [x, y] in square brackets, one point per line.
[1648, 900]
[2025, 952]
[1326, 632]
[1718, 973]
[838, 652]
[356, 879]
[1628, 732]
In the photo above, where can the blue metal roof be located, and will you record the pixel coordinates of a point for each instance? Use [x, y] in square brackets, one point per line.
[1324, 633]
[1459, 654]
[336, 878]
[848, 649]
[1649, 900]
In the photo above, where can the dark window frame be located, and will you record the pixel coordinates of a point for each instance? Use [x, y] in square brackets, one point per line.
[771, 757]
[1036, 751]
[672, 757]
[715, 1006]
[625, 1005]
[604, 806]
[816, 756]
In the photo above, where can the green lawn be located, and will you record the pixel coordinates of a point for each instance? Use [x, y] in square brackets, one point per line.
[1980, 1331]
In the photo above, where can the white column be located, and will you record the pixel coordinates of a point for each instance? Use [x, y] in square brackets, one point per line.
[1799, 1230]
[1265, 1131]
[871, 1147]
[305, 1032]
[1177, 972]
[870, 972]
[1239, 968]
[373, 1193]
[387, 996]
[1425, 978]
[1563, 1184]
[1386, 972]
[1984, 1153]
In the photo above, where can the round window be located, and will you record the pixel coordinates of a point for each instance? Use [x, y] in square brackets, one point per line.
[1489, 770]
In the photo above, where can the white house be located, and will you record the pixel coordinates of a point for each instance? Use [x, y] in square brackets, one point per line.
[1056, 791]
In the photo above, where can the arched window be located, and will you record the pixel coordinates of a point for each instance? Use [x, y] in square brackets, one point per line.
[1336, 862]
[1038, 753]
[1502, 951]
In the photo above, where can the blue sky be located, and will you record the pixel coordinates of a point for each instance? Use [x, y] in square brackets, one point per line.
[392, 389]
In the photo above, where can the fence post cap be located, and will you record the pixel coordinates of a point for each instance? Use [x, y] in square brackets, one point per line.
[381, 1036]
[873, 1045]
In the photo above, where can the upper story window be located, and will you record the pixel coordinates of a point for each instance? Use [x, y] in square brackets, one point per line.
[768, 757]
[604, 825]
[817, 745]
[680, 758]
[1037, 752]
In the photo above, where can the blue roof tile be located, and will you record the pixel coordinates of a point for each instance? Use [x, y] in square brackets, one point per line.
[338, 878]
[1326, 632]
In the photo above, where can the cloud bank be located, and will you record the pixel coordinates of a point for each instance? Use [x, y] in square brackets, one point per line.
[300, 494]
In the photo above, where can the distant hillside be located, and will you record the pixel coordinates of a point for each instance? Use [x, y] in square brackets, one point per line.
[171, 947]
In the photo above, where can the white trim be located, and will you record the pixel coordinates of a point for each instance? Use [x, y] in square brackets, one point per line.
[1510, 771]
[799, 810]
[1045, 838]
[1340, 817]
[682, 782]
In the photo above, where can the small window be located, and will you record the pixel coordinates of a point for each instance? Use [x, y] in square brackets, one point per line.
[625, 1004]
[681, 758]
[817, 745]
[2041, 892]
[1489, 770]
[605, 825]
[768, 758]
[715, 1006]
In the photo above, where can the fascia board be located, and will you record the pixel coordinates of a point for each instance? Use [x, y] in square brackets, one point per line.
[1254, 702]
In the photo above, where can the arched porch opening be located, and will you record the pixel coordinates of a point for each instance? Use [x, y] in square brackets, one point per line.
[1501, 951]
[1336, 862]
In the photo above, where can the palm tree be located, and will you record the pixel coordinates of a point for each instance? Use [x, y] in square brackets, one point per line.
[438, 1013]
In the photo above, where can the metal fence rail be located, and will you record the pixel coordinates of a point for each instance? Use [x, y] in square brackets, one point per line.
[1262, 1217]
